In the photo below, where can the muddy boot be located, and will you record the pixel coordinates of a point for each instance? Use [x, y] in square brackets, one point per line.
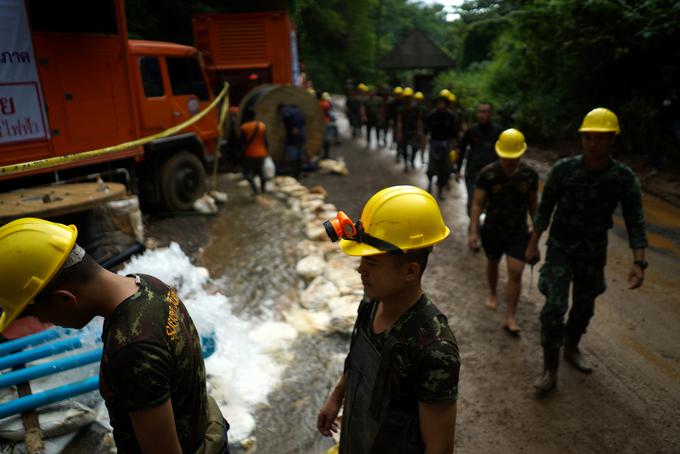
[548, 381]
[573, 356]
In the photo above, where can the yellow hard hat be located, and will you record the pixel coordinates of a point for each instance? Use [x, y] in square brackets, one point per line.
[453, 155]
[32, 251]
[419, 96]
[511, 144]
[444, 93]
[408, 91]
[403, 216]
[333, 449]
[600, 120]
[326, 96]
[452, 98]
[397, 90]
[362, 87]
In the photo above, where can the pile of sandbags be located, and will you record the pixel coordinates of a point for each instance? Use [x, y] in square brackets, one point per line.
[331, 286]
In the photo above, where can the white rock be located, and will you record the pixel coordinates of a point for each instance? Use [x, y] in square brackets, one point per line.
[220, 197]
[205, 204]
[318, 293]
[343, 313]
[308, 322]
[243, 184]
[310, 267]
[316, 232]
[341, 271]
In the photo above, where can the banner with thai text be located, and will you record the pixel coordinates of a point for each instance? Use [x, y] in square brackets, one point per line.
[22, 112]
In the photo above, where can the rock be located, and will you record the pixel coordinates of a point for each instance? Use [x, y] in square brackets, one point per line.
[233, 176]
[341, 271]
[319, 190]
[243, 184]
[220, 197]
[343, 313]
[310, 205]
[315, 231]
[308, 322]
[282, 181]
[310, 267]
[318, 293]
[205, 204]
[328, 207]
[332, 166]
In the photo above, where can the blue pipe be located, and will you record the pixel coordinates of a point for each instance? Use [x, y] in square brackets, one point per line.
[28, 341]
[26, 403]
[43, 351]
[52, 367]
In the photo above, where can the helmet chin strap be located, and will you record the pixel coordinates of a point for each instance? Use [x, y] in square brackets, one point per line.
[363, 237]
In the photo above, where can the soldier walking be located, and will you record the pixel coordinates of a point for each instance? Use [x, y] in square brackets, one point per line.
[477, 148]
[580, 195]
[508, 190]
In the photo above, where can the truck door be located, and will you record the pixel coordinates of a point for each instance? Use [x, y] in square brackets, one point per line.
[155, 108]
[190, 94]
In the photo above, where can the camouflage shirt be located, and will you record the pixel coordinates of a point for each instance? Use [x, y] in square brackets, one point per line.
[425, 367]
[507, 198]
[585, 204]
[152, 353]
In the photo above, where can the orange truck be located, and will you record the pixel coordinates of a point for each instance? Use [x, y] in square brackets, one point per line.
[71, 81]
[247, 49]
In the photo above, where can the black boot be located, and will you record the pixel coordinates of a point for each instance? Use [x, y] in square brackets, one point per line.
[573, 355]
[548, 381]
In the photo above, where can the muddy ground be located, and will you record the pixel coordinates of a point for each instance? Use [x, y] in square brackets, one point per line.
[630, 404]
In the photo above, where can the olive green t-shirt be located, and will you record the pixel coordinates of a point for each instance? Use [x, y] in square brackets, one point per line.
[426, 366]
[152, 353]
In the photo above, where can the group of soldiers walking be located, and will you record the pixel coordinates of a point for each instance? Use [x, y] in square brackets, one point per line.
[393, 401]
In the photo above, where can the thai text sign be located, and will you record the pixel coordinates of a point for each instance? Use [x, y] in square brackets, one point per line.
[22, 114]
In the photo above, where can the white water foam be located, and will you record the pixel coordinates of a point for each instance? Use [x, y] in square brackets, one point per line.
[247, 364]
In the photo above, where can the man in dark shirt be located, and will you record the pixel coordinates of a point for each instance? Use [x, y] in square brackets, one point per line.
[583, 192]
[152, 375]
[441, 125]
[400, 384]
[508, 190]
[294, 147]
[409, 128]
[477, 148]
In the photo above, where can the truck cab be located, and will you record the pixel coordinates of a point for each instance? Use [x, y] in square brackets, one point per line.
[73, 82]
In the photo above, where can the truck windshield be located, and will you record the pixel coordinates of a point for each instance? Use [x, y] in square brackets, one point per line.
[186, 77]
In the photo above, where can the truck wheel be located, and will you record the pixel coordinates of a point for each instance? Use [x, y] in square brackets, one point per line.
[182, 181]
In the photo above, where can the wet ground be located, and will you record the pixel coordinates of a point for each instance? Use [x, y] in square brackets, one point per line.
[631, 403]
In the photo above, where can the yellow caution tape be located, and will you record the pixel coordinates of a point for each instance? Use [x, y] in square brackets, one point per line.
[50, 162]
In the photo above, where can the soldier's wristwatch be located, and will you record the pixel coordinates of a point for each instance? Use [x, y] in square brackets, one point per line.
[643, 264]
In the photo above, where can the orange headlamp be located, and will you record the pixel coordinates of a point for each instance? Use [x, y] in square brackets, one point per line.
[340, 227]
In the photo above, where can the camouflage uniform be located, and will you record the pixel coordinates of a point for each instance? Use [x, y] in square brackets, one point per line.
[577, 245]
[505, 229]
[431, 352]
[416, 360]
[152, 353]
[411, 116]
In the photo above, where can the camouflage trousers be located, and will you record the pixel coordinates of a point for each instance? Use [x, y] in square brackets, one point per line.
[560, 271]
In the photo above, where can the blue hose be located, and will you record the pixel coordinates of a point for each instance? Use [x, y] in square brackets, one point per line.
[27, 341]
[43, 351]
[49, 368]
[26, 403]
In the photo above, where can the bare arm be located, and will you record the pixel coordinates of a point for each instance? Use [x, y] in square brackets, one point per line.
[325, 421]
[155, 429]
[438, 427]
[478, 201]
